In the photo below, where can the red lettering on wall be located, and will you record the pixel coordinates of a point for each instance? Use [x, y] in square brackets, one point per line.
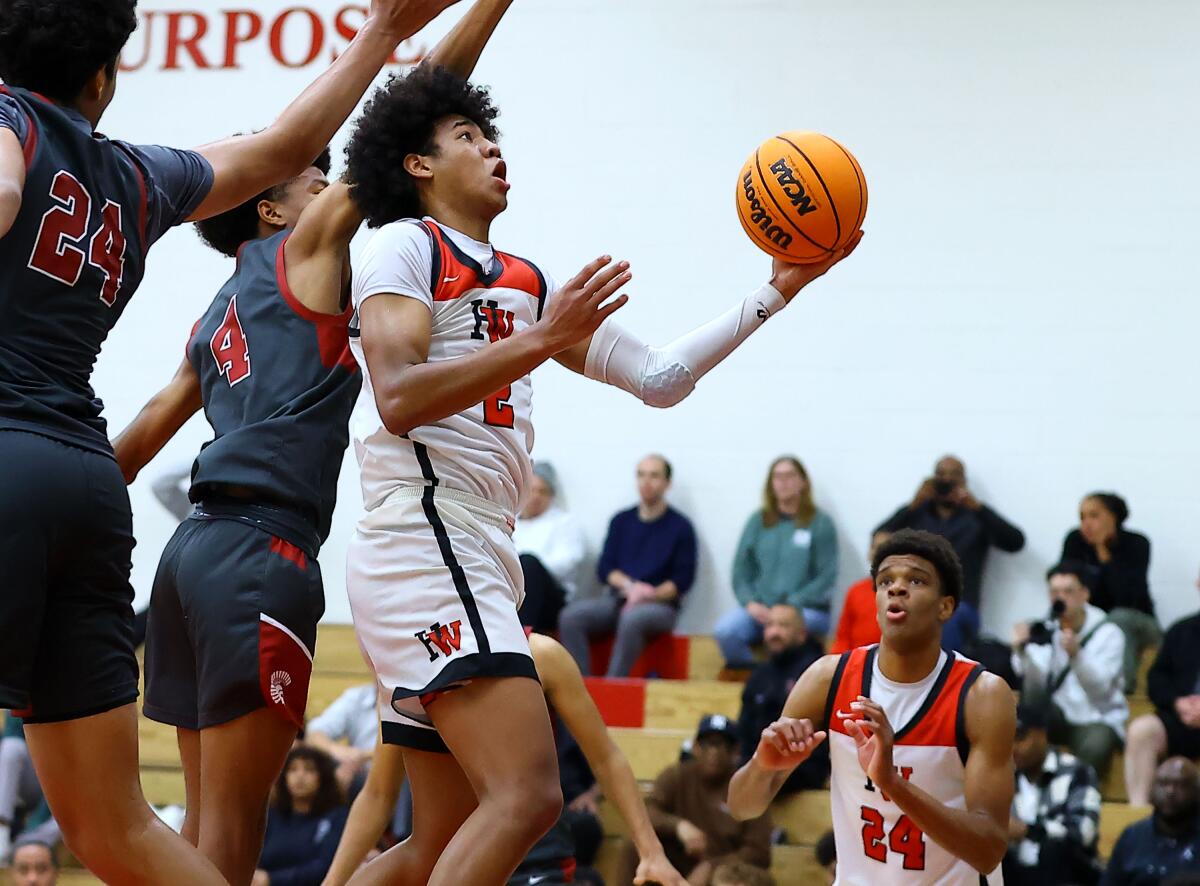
[344, 29]
[234, 38]
[176, 41]
[316, 38]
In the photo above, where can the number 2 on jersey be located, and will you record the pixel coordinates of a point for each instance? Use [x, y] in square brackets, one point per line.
[57, 252]
[906, 839]
[497, 412]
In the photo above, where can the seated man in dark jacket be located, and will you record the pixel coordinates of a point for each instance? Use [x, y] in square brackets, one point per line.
[792, 650]
[1163, 848]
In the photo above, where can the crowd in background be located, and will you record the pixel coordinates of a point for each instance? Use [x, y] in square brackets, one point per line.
[1073, 667]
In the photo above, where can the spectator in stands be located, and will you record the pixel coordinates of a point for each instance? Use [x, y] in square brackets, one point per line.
[304, 822]
[792, 651]
[787, 554]
[346, 731]
[688, 810]
[1055, 819]
[1173, 684]
[859, 621]
[826, 854]
[738, 873]
[1118, 562]
[552, 548]
[648, 564]
[1166, 845]
[22, 802]
[945, 506]
[34, 863]
[1072, 664]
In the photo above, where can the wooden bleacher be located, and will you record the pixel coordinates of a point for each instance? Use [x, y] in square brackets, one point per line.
[670, 710]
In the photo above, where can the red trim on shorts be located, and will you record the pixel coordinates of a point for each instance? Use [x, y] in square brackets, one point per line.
[284, 671]
[289, 552]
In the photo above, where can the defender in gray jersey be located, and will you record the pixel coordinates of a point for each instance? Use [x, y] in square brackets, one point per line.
[78, 213]
[238, 593]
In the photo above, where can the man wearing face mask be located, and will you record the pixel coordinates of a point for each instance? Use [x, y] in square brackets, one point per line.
[945, 506]
[1073, 663]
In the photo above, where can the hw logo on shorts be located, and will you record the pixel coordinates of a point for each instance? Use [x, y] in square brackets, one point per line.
[444, 640]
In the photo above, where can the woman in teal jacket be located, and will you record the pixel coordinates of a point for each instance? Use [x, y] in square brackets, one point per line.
[787, 556]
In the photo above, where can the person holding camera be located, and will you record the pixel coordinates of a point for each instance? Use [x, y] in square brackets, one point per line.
[1072, 664]
[945, 506]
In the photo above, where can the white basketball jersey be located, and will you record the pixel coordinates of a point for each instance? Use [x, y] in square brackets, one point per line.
[877, 844]
[477, 297]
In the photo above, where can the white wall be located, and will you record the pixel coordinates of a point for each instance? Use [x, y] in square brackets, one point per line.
[1025, 296]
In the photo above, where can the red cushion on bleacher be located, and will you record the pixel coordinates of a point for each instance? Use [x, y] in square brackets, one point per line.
[665, 656]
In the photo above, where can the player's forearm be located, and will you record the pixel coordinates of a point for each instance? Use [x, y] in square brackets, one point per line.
[972, 836]
[369, 816]
[150, 431]
[666, 592]
[248, 165]
[422, 393]
[616, 780]
[664, 376]
[459, 50]
[12, 178]
[752, 789]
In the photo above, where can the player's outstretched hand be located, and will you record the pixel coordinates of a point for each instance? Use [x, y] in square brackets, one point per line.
[787, 743]
[789, 279]
[868, 725]
[656, 869]
[580, 306]
[403, 18]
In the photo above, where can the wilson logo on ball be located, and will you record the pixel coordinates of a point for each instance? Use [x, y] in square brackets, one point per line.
[763, 219]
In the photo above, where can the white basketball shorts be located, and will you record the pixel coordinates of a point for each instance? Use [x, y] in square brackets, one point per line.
[434, 583]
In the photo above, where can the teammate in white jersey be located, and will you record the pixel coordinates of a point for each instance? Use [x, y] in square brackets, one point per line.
[920, 740]
[449, 330]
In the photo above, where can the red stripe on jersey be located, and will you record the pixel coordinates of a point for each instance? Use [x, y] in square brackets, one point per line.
[29, 146]
[936, 725]
[457, 278]
[333, 330]
[289, 552]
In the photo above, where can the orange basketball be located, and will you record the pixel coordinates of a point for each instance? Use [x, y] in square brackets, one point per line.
[801, 196]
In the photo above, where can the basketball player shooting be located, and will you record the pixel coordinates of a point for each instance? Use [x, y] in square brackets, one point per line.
[448, 331]
[920, 740]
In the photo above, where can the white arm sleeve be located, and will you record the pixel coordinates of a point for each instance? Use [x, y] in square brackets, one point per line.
[663, 376]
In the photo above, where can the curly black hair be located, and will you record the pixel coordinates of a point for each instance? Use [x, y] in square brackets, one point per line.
[55, 46]
[927, 546]
[329, 792]
[228, 231]
[398, 121]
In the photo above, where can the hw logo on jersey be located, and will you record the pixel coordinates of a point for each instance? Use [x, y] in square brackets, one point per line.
[904, 772]
[445, 640]
[499, 322]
